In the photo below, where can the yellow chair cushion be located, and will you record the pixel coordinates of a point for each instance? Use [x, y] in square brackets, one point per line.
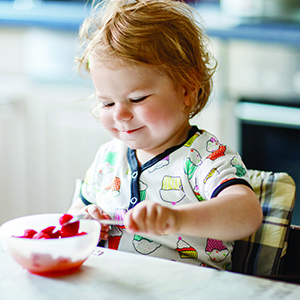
[262, 252]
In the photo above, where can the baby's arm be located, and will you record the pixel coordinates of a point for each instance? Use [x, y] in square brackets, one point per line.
[234, 214]
[94, 211]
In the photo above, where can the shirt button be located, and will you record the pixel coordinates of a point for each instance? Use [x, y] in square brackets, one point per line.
[134, 175]
[133, 200]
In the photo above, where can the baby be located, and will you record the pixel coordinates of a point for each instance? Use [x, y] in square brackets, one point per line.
[174, 185]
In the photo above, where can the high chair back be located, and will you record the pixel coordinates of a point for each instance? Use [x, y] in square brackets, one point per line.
[262, 253]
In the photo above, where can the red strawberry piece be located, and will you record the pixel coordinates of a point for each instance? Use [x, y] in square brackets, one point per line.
[50, 231]
[29, 233]
[65, 218]
[41, 235]
[55, 235]
[82, 233]
[70, 229]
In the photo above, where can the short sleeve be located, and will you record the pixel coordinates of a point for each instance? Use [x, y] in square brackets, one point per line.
[221, 166]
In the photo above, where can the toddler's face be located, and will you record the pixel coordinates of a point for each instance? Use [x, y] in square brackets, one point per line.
[141, 107]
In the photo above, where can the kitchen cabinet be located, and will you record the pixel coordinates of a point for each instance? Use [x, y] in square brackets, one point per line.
[12, 126]
[48, 137]
[12, 155]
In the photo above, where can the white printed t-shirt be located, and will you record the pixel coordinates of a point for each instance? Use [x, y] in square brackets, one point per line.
[194, 171]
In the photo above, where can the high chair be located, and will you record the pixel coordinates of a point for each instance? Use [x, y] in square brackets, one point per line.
[273, 250]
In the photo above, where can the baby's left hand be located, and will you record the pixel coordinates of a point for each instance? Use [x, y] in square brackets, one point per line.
[152, 218]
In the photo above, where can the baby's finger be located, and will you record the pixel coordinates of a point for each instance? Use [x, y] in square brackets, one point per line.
[129, 223]
[104, 232]
[94, 211]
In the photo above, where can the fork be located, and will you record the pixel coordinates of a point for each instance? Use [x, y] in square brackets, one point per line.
[101, 221]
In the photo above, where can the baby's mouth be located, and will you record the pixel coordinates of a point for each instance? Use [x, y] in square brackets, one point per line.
[130, 131]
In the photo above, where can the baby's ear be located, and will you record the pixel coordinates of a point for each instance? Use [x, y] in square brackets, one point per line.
[191, 93]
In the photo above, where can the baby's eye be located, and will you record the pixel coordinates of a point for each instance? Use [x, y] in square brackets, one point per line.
[137, 100]
[107, 104]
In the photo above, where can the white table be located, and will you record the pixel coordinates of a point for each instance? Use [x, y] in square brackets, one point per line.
[109, 274]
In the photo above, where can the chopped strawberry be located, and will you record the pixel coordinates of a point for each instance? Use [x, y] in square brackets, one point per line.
[29, 233]
[65, 218]
[81, 233]
[55, 235]
[50, 231]
[40, 235]
[70, 229]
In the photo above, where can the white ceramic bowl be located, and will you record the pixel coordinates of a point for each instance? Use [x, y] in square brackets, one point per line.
[49, 257]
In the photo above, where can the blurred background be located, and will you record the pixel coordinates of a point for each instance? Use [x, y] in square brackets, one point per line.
[48, 137]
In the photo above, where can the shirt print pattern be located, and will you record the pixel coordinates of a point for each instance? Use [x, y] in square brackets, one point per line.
[189, 173]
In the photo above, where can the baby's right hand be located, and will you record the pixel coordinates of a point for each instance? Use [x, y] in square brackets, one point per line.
[95, 212]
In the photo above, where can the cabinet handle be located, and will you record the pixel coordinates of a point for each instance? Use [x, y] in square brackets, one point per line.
[268, 114]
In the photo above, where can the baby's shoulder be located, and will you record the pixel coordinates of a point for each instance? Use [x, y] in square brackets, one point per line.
[204, 145]
[112, 148]
[201, 139]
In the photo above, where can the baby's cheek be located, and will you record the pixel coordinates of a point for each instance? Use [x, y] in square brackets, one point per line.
[106, 118]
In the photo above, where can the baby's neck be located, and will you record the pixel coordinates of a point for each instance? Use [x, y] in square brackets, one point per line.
[142, 156]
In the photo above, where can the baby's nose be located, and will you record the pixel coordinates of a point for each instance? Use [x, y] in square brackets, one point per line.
[122, 113]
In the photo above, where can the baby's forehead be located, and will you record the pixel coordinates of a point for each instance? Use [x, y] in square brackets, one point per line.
[96, 59]
[115, 63]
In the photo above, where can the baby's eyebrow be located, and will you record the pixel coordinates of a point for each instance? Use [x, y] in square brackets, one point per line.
[103, 97]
